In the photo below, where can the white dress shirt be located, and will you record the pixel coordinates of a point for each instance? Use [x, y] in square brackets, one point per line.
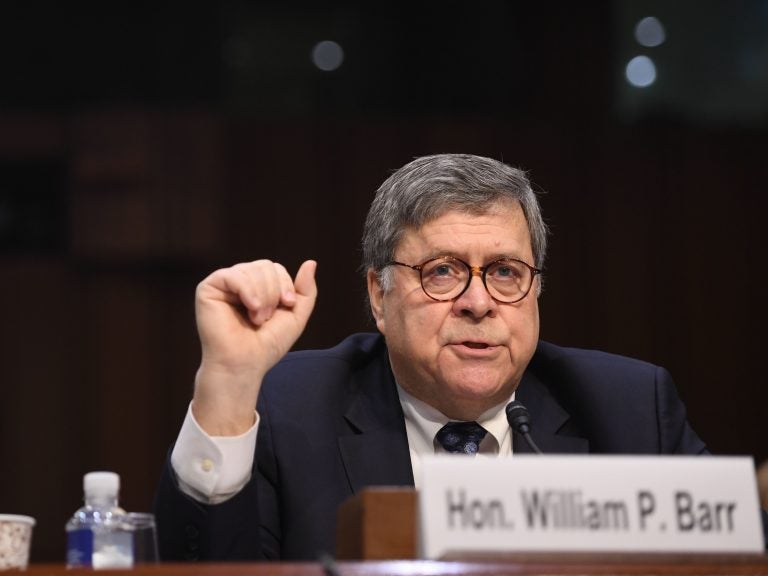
[212, 469]
[422, 422]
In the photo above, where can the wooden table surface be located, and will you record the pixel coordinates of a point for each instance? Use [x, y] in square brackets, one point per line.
[529, 564]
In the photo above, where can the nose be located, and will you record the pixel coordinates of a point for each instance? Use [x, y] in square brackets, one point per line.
[475, 301]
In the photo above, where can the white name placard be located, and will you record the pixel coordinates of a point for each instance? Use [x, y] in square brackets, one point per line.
[588, 503]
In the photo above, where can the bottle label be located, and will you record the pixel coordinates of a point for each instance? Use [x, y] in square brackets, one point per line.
[80, 547]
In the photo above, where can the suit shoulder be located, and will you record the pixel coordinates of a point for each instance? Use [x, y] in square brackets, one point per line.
[354, 349]
[324, 379]
[576, 358]
[329, 364]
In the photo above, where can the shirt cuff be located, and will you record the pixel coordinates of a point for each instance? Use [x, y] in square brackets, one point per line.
[212, 469]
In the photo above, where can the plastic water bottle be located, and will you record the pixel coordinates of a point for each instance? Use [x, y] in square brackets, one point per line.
[98, 535]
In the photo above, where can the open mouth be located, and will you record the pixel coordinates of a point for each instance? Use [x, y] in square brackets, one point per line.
[475, 345]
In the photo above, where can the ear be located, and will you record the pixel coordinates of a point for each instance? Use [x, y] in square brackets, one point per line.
[376, 298]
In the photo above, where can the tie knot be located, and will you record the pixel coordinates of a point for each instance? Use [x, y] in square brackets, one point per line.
[461, 437]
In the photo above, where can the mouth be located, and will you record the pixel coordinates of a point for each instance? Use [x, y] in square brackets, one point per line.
[474, 350]
[476, 345]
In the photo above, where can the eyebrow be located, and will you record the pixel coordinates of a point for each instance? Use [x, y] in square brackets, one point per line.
[493, 258]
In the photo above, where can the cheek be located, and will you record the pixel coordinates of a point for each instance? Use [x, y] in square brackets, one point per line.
[528, 328]
[534, 316]
[523, 324]
[412, 325]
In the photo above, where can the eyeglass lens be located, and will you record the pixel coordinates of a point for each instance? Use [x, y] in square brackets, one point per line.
[446, 278]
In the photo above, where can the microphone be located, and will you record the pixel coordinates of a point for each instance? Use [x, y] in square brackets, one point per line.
[520, 421]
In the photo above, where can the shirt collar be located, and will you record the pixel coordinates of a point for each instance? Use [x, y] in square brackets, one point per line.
[423, 422]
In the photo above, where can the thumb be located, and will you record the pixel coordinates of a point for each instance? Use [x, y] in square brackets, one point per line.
[306, 289]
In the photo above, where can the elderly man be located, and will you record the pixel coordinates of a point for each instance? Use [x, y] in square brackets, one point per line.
[453, 248]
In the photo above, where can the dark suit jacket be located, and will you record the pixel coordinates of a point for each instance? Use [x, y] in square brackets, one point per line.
[331, 424]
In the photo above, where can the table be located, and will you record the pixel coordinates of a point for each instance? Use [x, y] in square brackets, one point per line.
[507, 565]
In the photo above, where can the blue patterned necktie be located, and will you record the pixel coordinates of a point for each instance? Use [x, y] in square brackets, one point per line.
[461, 437]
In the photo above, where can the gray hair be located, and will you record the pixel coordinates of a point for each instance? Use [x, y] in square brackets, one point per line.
[430, 186]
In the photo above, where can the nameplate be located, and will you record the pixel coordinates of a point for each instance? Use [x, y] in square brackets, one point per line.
[588, 504]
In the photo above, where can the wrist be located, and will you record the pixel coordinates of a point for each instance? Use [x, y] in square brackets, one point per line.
[225, 405]
[222, 419]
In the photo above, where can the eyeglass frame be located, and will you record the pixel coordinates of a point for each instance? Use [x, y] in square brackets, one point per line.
[473, 271]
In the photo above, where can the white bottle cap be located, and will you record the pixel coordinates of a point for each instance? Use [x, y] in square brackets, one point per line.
[101, 484]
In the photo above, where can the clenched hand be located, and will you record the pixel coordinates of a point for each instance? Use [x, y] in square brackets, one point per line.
[248, 317]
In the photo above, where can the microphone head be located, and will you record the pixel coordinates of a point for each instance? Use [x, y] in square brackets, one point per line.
[518, 417]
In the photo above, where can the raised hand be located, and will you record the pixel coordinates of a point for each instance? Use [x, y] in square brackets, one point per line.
[248, 317]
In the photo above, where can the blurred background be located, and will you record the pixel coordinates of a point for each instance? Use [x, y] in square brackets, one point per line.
[143, 146]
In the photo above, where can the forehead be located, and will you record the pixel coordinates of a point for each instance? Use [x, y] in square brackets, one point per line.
[502, 230]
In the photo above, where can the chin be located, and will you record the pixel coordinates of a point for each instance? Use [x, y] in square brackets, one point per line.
[473, 386]
[470, 404]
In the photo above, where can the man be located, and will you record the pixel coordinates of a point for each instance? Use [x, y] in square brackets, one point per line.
[453, 249]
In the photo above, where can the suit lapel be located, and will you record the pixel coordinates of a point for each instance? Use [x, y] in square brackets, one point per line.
[376, 452]
[549, 421]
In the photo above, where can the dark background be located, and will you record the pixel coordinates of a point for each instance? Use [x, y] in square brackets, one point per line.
[143, 146]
